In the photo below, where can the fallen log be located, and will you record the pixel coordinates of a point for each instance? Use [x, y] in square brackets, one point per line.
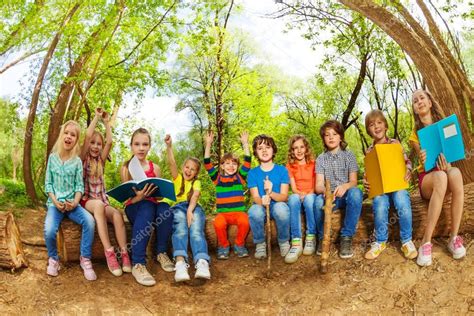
[11, 248]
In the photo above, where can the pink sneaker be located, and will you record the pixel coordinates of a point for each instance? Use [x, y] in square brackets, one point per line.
[53, 267]
[112, 262]
[126, 264]
[89, 273]
[456, 247]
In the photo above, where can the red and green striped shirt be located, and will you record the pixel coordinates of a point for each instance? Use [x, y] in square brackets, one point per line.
[229, 189]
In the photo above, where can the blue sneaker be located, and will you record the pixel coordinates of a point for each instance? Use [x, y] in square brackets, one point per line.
[223, 253]
[241, 252]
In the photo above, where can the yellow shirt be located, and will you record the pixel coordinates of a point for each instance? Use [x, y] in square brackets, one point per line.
[187, 187]
[414, 138]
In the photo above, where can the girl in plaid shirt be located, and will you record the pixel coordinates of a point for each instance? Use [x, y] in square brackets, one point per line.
[94, 153]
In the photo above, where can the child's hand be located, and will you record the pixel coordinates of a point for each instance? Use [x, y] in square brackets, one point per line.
[209, 137]
[422, 157]
[70, 205]
[267, 186]
[105, 117]
[244, 138]
[59, 205]
[98, 112]
[366, 184]
[189, 217]
[339, 191]
[441, 163]
[302, 196]
[168, 141]
[266, 200]
[147, 190]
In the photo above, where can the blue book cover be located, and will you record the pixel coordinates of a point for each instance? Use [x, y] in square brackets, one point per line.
[165, 189]
[444, 137]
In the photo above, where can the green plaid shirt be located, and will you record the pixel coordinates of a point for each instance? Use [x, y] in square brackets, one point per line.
[63, 179]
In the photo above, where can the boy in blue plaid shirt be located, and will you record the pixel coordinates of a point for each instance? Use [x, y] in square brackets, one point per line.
[339, 166]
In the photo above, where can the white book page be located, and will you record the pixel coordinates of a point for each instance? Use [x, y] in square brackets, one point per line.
[136, 170]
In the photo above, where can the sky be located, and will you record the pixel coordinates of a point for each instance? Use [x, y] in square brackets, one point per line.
[289, 51]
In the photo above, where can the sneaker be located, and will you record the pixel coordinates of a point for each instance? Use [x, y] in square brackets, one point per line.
[309, 245]
[89, 273]
[141, 274]
[126, 263]
[294, 253]
[424, 255]
[375, 250]
[181, 273]
[223, 253]
[284, 248]
[409, 250]
[202, 270]
[261, 250]
[345, 250]
[165, 262]
[319, 251]
[241, 252]
[112, 262]
[456, 247]
[53, 267]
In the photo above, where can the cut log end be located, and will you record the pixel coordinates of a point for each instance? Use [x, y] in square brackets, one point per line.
[11, 248]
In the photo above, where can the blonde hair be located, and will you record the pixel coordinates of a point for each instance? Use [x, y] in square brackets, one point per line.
[436, 111]
[372, 116]
[96, 165]
[308, 156]
[181, 189]
[59, 144]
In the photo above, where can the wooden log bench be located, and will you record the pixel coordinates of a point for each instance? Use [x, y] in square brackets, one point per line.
[70, 233]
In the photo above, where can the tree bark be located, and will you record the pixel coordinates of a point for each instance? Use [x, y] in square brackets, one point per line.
[11, 248]
[27, 174]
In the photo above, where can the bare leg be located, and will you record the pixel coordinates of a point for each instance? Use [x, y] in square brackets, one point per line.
[97, 208]
[116, 218]
[455, 185]
[433, 188]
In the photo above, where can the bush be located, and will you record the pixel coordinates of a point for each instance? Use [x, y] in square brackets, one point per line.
[13, 195]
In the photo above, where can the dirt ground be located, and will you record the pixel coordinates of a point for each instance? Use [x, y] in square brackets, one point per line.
[389, 284]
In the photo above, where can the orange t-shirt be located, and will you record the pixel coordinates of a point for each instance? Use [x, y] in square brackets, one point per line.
[304, 175]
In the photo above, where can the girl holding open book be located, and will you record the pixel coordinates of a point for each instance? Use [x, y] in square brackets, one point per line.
[145, 212]
[435, 183]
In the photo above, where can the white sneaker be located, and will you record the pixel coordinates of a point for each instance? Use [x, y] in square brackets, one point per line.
[284, 248]
[181, 273]
[424, 255]
[202, 270]
[294, 253]
[456, 247]
[261, 250]
[309, 246]
[142, 276]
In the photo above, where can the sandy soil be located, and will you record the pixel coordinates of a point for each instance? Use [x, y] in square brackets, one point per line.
[389, 284]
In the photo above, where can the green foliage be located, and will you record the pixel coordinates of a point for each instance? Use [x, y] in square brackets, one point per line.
[13, 196]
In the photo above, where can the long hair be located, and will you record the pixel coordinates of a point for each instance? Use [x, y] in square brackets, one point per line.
[96, 165]
[59, 144]
[436, 110]
[181, 189]
[140, 130]
[338, 128]
[308, 156]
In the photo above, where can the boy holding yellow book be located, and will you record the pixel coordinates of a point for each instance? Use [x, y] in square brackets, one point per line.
[376, 126]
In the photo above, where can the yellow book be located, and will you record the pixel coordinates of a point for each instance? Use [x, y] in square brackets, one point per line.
[385, 169]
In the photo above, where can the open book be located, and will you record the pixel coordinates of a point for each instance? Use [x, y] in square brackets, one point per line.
[444, 137]
[385, 169]
[165, 189]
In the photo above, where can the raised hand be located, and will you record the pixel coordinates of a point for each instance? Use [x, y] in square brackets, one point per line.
[168, 140]
[98, 112]
[244, 138]
[209, 137]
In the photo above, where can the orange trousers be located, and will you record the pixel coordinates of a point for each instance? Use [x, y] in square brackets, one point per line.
[221, 222]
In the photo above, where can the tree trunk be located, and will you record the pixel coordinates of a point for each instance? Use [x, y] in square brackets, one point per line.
[11, 248]
[441, 74]
[27, 174]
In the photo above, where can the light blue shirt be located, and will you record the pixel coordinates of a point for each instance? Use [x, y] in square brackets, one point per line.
[63, 179]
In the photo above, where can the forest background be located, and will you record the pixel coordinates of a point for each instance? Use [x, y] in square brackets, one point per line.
[217, 69]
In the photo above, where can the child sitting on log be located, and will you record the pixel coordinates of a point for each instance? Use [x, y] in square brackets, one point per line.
[339, 165]
[376, 126]
[434, 184]
[64, 186]
[95, 151]
[230, 196]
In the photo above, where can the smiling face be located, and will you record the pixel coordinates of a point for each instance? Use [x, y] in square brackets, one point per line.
[299, 150]
[377, 129]
[264, 152]
[70, 137]
[190, 170]
[421, 103]
[332, 139]
[141, 145]
[229, 167]
[95, 145]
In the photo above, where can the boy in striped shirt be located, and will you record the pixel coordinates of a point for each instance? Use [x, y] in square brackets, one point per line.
[229, 179]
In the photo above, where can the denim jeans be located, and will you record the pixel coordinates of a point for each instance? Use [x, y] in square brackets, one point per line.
[381, 206]
[294, 203]
[279, 211]
[196, 233]
[351, 201]
[144, 217]
[79, 216]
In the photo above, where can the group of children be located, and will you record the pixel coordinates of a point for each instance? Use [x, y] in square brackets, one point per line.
[75, 188]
